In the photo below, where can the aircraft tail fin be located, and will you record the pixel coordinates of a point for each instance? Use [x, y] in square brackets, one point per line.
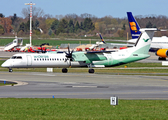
[134, 27]
[102, 39]
[145, 39]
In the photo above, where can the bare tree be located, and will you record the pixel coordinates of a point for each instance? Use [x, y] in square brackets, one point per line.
[36, 12]
[86, 15]
[47, 16]
[59, 17]
[73, 17]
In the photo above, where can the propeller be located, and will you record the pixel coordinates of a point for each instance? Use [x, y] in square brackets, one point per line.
[69, 54]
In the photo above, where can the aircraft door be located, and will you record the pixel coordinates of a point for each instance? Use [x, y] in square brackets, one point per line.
[29, 60]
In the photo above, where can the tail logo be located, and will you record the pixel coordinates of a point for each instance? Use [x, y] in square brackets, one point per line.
[145, 40]
[133, 26]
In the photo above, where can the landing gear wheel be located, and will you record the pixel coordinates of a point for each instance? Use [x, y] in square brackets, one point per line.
[91, 71]
[64, 70]
[10, 70]
[160, 58]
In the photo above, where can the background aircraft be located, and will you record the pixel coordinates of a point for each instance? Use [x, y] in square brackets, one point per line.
[84, 58]
[158, 44]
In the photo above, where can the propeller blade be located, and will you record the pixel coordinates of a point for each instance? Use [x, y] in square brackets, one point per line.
[68, 49]
[69, 54]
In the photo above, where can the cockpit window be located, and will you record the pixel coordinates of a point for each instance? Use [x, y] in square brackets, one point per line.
[16, 57]
[13, 57]
[19, 57]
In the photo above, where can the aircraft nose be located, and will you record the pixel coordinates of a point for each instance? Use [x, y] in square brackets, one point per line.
[6, 64]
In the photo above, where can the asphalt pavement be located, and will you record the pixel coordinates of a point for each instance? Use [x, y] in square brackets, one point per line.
[83, 85]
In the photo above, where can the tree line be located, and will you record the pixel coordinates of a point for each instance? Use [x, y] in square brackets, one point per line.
[45, 25]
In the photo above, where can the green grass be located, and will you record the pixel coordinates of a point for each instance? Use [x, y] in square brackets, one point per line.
[2, 84]
[4, 42]
[81, 109]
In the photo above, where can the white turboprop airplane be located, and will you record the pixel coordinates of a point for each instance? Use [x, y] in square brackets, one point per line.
[84, 58]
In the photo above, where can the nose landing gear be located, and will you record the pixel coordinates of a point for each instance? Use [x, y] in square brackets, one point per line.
[10, 70]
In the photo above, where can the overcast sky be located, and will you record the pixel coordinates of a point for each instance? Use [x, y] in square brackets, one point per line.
[99, 8]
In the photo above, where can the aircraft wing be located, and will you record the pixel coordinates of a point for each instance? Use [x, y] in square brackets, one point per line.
[89, 56]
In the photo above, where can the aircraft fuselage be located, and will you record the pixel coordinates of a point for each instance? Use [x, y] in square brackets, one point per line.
[35, 60]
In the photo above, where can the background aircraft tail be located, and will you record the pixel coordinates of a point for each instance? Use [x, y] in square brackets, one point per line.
[134, 27]
[102, 38]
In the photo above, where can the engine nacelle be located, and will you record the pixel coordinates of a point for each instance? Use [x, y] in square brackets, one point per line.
[162, 53]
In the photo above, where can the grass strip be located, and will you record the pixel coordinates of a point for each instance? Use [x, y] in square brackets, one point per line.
[4, 42]
[2, 84]
[81, 109]
[97, 70]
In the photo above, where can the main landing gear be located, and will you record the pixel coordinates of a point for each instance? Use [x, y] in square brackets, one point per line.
[91, 70]
[64, 70]
[161, 58]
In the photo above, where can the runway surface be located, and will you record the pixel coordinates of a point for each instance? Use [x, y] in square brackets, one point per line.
[83, 85]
